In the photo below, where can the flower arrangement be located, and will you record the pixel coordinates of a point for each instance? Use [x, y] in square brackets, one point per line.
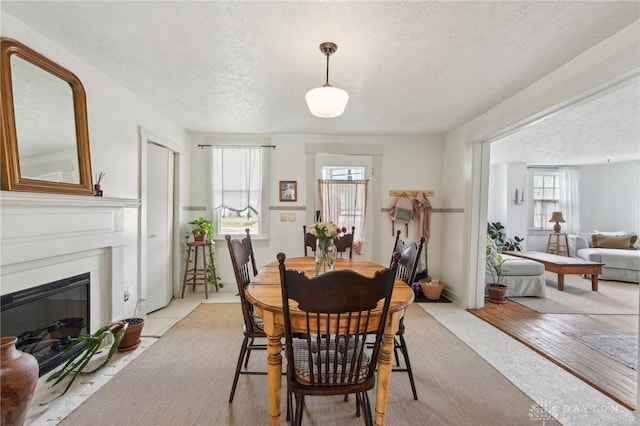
[326, 230]
[325, 233]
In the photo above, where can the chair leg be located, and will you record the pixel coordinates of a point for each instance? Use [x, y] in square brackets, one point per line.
[366, 406]
[289, 405]
[246, 360]
[405, 354]
[299, 406]
[395, 351]
[358, 402]
[243, 351]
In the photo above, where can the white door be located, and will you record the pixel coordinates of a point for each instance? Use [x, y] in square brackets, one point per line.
[159, 222]
[364, 161]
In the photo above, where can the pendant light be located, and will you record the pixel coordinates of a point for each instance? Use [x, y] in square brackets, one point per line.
[327, 101]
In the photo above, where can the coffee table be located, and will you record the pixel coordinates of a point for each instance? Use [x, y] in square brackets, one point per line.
[563, 265]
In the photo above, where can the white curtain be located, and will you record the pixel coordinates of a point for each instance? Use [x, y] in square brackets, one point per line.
[344, 202]
[569, 199]
[236, 179]
[542, 211]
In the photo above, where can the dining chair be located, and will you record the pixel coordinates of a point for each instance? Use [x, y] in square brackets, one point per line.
[309, 240]
[345, 242]
[243, 261]
[407, 265]
[250, 244]
[331, 355]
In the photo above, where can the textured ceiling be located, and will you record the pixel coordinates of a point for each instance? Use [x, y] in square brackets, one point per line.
[410, 68]
[605, 129]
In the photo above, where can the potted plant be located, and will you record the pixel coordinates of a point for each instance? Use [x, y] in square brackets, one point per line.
[496, 231]
[126, 337]
[202, 229]
[495, 265]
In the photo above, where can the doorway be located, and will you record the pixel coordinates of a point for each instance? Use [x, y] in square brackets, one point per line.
[159, 260]
[358, 167]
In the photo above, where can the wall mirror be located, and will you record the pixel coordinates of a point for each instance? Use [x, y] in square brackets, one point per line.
[45, 137]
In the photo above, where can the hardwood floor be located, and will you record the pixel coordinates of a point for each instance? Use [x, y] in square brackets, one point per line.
[544, 334]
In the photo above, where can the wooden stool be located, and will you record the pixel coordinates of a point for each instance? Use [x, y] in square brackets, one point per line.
[198, 274]
[560, 246]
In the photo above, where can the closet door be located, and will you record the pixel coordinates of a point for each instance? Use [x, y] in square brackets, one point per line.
[159, 220]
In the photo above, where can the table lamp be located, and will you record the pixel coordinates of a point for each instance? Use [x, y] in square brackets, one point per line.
[558, 219]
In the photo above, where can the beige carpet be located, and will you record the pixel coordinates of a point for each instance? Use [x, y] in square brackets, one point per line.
[185, 379]
[612, 297]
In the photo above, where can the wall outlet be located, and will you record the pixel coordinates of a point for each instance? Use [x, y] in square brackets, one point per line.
[292, 217]
[284, 217]
[126, 293]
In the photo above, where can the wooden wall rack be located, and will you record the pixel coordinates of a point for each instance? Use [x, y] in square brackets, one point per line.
[410, 192]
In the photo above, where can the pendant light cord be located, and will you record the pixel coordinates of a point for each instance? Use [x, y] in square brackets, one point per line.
[326, 83]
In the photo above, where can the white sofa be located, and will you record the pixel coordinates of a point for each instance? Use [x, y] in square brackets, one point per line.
[620, 264]
[523, 277]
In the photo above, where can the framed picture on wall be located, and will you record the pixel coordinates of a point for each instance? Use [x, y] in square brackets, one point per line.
[288, 190]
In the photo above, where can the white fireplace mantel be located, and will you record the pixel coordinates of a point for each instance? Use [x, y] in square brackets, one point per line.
[46, 237]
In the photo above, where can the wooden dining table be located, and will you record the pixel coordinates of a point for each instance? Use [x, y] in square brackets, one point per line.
[264, 293]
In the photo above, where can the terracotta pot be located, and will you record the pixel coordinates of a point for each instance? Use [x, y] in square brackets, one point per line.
[497, 293]
[199, 236]
[131, 338]
[18, 379]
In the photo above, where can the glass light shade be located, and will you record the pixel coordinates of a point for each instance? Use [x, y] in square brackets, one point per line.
[327, 101]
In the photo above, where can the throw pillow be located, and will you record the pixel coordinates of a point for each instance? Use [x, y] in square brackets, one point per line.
[613, 233]
[614, 241]
[587, 236]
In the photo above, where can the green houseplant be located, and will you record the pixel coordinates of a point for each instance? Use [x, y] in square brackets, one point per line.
[496, 231]
[126, 337]
[202, 229]
[495, 266]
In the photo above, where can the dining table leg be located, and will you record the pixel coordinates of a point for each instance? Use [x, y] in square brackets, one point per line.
[274, 364]
[385, 365]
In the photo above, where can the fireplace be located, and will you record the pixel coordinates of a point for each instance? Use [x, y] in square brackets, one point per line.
[44, 318]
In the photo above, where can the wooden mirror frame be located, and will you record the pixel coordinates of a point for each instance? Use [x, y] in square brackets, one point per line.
[12, 179]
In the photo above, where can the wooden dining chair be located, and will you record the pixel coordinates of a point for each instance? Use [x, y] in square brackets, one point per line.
[309, 240]
[250, 245]
[331, 355]
[244, 268]
[345, 242]
[407, 265]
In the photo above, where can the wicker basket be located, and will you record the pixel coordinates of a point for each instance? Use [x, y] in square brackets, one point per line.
[432, 289]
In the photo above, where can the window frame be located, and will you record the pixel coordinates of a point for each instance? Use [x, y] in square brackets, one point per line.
[532, 173]
[263, 215]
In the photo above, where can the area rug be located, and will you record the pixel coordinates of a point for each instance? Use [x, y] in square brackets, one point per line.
[185, 378]
[621, 347]
[612, 297]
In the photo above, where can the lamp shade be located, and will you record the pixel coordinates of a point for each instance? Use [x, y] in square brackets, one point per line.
[556, 217]
[327, 101]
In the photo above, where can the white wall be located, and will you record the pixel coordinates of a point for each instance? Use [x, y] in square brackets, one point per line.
[503, 182]
[465, 174]
[406, 163]
[610, 197]
[114, 115]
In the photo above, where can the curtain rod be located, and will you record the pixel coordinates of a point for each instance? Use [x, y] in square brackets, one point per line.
[559, 166]
[237, 146]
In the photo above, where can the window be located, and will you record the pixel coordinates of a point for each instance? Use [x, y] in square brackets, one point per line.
[238, 195]
[546, 197]
[343, 197]
[342, 173]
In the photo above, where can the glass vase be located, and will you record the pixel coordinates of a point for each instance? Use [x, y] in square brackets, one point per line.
[325, 256]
